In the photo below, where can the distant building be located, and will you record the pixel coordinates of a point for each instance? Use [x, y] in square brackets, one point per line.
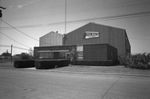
[51, 39]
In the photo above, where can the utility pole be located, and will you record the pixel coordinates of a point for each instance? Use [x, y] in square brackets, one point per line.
[11, 54]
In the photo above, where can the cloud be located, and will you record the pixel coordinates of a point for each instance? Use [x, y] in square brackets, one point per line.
[26, 4]
[20, 6]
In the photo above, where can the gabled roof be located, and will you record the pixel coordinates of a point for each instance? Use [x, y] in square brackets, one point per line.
[52, 32]
[92, 23]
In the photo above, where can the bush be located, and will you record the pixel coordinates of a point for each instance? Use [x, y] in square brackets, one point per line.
[138, 61]
[97, 63]
[24, 63]
[44, 64]
[48, 64]
[23, 56]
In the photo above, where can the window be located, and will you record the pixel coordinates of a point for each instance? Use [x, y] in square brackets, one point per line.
[46, 55]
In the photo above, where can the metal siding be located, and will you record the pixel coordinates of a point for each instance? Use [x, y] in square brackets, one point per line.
[112, 53]
[127, 44]
[95, 52]
[51, 39]
[116, 37]
[117, 40]
[76, 37]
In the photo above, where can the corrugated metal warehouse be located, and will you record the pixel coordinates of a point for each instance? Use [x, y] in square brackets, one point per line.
[91, 44]
[51, 39]
[93, 33]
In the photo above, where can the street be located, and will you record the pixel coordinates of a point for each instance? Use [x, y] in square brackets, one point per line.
[48, 84]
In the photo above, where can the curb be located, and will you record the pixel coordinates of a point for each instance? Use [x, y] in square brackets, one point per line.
[108, 74]
[95, 73]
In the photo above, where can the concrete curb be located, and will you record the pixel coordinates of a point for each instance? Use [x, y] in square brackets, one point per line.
[108, 74]
[92, 73]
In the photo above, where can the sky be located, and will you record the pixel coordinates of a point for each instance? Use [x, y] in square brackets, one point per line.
[35, 18]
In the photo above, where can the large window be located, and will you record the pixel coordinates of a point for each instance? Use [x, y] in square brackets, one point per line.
[46, 55]
[54, 54]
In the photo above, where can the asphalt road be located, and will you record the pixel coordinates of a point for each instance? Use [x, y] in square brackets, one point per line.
[41, 84]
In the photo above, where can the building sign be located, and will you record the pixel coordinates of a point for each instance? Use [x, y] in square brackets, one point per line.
[91, 34]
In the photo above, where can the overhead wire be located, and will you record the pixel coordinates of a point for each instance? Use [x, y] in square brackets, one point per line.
[22, 32]
[14, 40]
[20, 48]
[14, 47]
[130, 15]
[17, 29]
[106, 18]
[123, 16]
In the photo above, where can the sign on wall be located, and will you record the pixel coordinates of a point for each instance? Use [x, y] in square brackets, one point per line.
[91, 34]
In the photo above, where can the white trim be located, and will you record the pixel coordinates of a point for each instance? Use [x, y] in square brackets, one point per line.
[44, 51]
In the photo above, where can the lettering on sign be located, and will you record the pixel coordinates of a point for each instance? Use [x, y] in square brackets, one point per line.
[91, 34]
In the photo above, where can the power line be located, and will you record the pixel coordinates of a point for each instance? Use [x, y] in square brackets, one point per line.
[107, 18]
[14, 40]
[22, 32]
[18, 30]
[20, 48]
[123, 16]
[14, 47]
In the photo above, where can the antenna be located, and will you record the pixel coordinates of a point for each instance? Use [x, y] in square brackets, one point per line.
[65, 16]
